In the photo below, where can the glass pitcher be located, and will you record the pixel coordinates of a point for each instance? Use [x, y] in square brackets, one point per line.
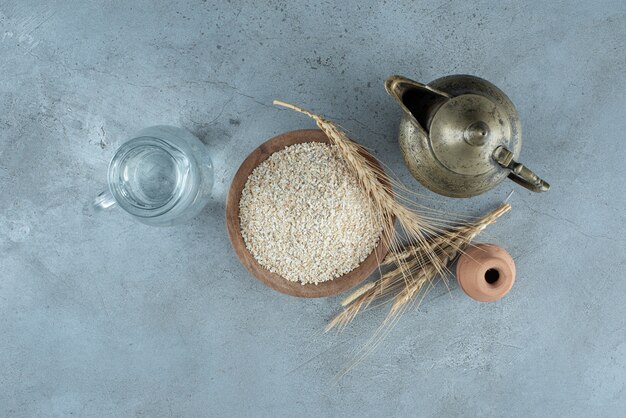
[162, 176]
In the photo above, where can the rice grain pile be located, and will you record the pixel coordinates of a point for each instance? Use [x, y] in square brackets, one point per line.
[304, 216]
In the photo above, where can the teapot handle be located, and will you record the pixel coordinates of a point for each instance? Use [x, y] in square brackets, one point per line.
[520, 174]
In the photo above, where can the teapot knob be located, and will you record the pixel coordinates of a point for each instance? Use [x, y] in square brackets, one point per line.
[519, 172]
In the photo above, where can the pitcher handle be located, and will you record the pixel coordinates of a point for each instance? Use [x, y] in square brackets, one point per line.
[104, 201]
[520, 174]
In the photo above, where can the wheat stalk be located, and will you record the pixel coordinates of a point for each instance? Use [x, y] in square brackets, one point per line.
[416, 226]
[394, 285]
[429, 247]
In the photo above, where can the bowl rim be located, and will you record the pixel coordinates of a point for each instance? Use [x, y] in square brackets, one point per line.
[273, 280]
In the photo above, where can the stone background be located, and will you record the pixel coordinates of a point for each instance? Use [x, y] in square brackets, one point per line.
[101, 316]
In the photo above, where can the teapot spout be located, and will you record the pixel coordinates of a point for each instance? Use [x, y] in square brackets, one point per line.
[418, 101]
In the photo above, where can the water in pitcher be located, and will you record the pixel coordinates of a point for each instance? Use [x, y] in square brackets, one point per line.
[162, 177]
[150, 176]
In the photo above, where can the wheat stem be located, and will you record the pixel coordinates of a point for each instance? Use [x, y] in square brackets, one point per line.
[431, 242]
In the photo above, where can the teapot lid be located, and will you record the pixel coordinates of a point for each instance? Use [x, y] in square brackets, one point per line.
[465, 131]
[476, 107]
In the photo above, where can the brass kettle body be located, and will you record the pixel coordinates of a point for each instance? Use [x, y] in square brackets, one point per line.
[460, 135]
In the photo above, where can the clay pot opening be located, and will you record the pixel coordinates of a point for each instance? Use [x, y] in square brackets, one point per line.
[492, 276]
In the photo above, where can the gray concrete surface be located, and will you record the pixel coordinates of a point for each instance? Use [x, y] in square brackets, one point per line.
[101, 316]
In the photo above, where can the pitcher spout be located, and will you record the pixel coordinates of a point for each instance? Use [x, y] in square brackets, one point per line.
[418, 101]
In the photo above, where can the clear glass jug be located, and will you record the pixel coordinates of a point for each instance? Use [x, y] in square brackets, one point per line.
[163, 176]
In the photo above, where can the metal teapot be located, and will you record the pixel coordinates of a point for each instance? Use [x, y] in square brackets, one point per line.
[460, 135]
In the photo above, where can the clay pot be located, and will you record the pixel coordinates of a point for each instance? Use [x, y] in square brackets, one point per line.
[485, 272]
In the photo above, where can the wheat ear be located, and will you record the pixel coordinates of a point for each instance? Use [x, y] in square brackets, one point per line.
[415, 225]
[395, 286]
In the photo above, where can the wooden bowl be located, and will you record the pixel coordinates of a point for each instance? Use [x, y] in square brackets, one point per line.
[273, 280]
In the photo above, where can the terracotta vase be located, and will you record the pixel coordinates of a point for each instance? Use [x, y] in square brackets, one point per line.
[485, 272]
